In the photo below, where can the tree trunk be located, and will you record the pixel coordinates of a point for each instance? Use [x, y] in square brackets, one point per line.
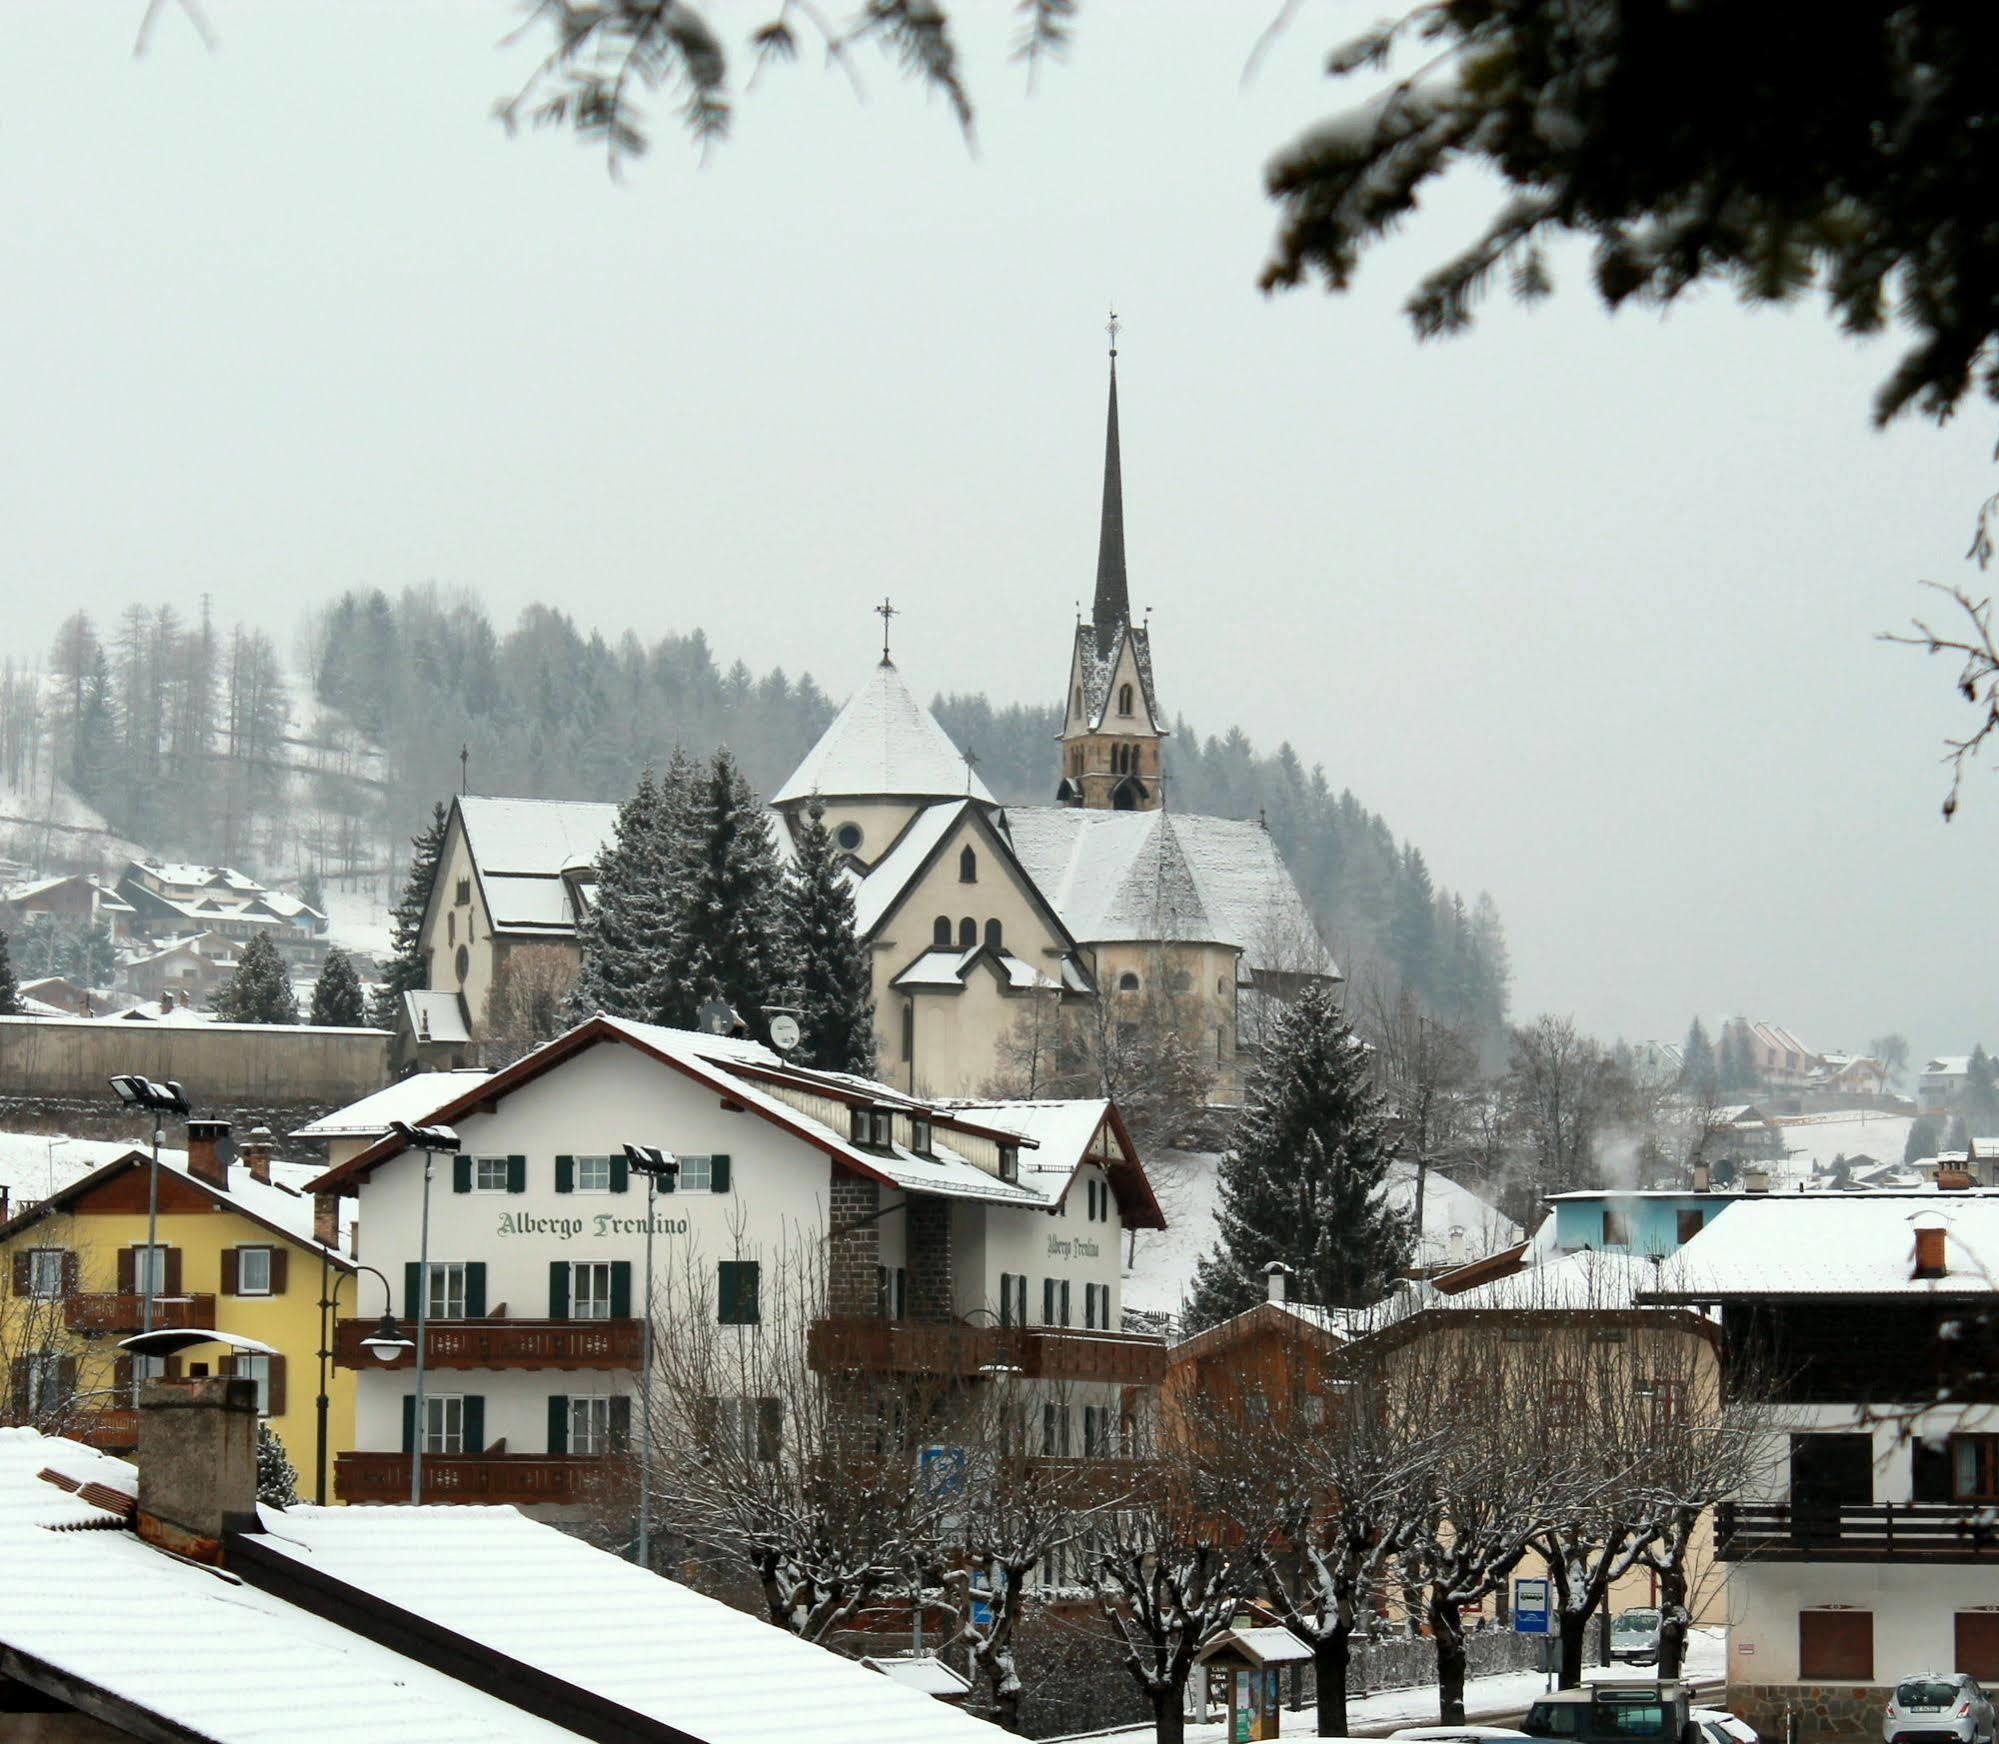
[1329, 1669]
[1575, 1643]
[1673, 1620]
[1169, 1719]
[1447, 1630]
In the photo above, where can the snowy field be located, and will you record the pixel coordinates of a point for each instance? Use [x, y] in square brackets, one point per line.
[1850, 1133]
[1486, 1698]
[1159, 1275]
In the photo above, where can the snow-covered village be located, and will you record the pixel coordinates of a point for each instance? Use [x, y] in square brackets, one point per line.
[1102, 870]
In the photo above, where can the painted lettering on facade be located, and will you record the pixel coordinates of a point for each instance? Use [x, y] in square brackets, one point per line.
[1068, 1247]
[597, 1228]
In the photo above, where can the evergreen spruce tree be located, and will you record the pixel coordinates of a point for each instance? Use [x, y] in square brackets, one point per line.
[729, 943]
[260, 989]
[1698, 1071]
[312, 890]
[10, 990]
[1922, 1139]
[837, 1019]
[1981, 1093]
[406, 970]
[277, 1477]
[1304, 1180]
[336, 995]
[625, 934]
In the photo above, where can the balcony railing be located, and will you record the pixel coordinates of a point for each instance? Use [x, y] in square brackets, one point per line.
[517, 1478]
[502, 1344]
[119, 1312]
[956, 1348]
[115, 1429]
[1858, 1532]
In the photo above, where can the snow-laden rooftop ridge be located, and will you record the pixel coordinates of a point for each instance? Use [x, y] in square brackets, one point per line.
[884, 743]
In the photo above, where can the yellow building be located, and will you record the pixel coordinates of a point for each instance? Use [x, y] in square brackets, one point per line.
[236, 1249]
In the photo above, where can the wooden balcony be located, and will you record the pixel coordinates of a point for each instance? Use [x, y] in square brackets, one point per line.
[1856, 1532]
[516, 1478]
[114, 1429]
[957, 1348]
[501, 1344]
[1095, 1482]
[118, 1312]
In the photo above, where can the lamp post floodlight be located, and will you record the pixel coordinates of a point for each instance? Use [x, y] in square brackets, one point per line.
[158, 1100]
[430, 1140]
[655, 1165]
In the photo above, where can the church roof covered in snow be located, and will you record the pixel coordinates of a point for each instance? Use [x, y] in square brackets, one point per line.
[883, 743]
[1143, 875]
[535, 838]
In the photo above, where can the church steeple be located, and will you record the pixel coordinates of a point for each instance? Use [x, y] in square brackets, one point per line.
[1113, 601]
[1111, 724]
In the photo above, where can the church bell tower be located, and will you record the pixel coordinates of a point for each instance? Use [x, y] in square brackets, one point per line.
[1111, 725]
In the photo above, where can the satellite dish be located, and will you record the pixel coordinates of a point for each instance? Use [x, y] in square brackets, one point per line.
[784, 1032]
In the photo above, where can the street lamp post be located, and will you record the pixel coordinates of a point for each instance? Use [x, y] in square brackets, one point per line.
[385, 1345]
[655, 1164]
[430, 1140]
[158, 1100]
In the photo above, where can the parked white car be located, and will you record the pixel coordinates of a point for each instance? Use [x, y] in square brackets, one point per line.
[1722, 1727]
[1455, 1734]
[1938, 1707]
[1634, 1636]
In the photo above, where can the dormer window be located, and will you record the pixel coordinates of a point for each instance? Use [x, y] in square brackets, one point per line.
[1009, 1162]
[1124, 699]
[919, 1133]
[873, 1127]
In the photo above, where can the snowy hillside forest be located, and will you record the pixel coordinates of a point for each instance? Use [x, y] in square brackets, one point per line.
[174, 733]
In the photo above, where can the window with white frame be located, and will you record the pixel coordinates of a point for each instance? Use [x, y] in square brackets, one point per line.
[590, 1426]
[489, 1174]
[445, 1298]
[42, 1374]
[696, 1176]
[45, 1271]
[590, 1290]
[253, 1271]
[744, 1426]
[258, 1369]
[444, 1423]
[1055, 1430]
[1100, 1427]
[149, 1270]
[593, 1174]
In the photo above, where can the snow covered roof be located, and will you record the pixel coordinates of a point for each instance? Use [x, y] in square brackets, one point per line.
[923, 1672]
[941, 968]
[1836, 1244]
[1117, 876]
[436, 1017]
[883, 744]
[1948, 1066]
[551, 1602]
[889, 875]
[1267, 1646]
[1575, 1282]
[189, 876]
[414, 1099]
[108, 900]
[195, 1649]
[534, 838]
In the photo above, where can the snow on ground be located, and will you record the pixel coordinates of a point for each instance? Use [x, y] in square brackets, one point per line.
[1849, 1133]
[34, 1165]
[1457, 1225]
[46, 830]
[357, 917]
[1486, 1698]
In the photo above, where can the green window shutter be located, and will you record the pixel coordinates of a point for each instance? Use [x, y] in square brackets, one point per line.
[725, 1292]
[770, 1428]
[558, 1423]
[461, 1173]
[517, 1174]
[409, 1423]
[565, 1174]
[475, 1290]
[475, 1423]
[621, 1174]
[621, 1289]
[558, 1289]
[621, 1424]
[718, 1172]
[412, 1291]
[736, 1296]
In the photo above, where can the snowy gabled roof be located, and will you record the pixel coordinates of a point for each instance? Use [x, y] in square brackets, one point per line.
[415, 1099]
[1948, 1066]
[538, 1596]
[949, 968]
[1273, 1645]
[534, 837]
[436, 1016]
[192, 1651]
[1582, 1282]
[1837, 1244]
[1129, 876]
[883, 744]
[910, 852]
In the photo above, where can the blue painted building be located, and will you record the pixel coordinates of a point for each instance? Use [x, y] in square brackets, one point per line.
[1653, 1221]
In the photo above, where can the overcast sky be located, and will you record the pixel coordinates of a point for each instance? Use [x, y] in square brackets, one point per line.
[1583, 605]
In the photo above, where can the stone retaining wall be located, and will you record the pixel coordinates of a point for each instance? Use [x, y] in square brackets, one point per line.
[1825, 1711]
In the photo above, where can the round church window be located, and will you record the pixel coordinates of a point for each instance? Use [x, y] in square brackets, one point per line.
[463, 962]
[848, 836]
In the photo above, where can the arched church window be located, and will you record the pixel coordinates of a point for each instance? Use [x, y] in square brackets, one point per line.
[1124, 699]
[1127, 982]
[848, 836]
[940, 932]
[968, 867]
[993, 939]
[968, 934]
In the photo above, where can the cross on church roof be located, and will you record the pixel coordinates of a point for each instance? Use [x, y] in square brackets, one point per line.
[971, 765]
[885, 611]
[1112, 327]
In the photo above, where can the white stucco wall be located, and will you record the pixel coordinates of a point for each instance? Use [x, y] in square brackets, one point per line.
[1914, 1604]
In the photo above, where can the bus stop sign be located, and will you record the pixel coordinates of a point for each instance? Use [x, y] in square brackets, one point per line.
[1530, 1607]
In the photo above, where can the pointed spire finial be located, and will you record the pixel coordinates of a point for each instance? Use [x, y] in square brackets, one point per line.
[885, 611]
[1113, 326]
[1113, 602]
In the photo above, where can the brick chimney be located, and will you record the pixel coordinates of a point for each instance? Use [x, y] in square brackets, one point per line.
[197, 1463]
[208, 1152]
[1931, 1261]
[255, 1151]
[326, 1219]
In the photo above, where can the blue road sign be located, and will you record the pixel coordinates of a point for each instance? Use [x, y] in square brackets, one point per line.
[1530, 1607]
